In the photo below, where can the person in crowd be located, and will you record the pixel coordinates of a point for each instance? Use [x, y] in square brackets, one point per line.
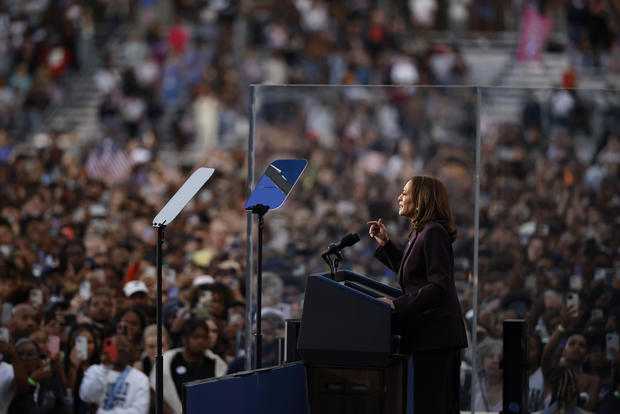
[488, 396]
[44, 394]
[536, 387]
[565, 396]
[228, 272]
[233, 330]
[13, 375]
[100, 310]
[147, 360]
[75, 364]
[272, 324]
[211, 300]
[54, 317]
[137, 292]
[273, 294]
[113, 384]
[73, 260]
[573, 356]
[599, 365]
[24, 321]
[50, 346]
[217, 342]
[40, 337]
[428, 312]
[131, 323]
[193, 361]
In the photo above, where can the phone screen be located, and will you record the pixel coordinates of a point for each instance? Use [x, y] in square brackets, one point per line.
[84, 290]
[109, 347]
[4, 334]
[7, 310]
[173, 292]
[572, 299]
[81, 347]
[600, 273]
[575, 282]
[53, 345]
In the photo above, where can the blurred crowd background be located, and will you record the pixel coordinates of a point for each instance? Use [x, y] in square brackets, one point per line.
[168, 85]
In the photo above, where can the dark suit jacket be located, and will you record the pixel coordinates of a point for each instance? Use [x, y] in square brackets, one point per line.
[428, 313]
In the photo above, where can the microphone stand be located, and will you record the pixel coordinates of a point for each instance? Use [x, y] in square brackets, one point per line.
[333, 263]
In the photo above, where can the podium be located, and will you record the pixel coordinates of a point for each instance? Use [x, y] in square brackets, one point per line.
[349, 346]
[351, 361]
[343, 322]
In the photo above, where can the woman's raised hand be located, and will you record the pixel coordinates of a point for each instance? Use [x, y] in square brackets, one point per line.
[378, 232]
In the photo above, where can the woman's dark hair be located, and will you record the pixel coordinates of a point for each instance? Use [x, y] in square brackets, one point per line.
[23, 341]
[222, 344]
[534, 335]
[81, 327]
[432, 204]
[19, 292]
[135, 310]
[217, 287]
[191, 325]
[65, 248]
[565, 387]
[94, 359]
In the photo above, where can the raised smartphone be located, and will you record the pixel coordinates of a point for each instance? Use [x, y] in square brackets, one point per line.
[81, 347]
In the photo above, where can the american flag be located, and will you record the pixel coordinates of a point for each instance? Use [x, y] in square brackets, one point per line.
[109, 162]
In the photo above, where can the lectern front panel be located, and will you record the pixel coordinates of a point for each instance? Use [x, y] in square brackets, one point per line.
[342, 326]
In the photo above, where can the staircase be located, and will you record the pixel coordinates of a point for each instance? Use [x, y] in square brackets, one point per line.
[504, 103]
[78, 110]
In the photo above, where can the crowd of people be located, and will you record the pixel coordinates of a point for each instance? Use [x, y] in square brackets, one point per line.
[548, 215]
[593, 29]
[77, 249]
[40, 41]
[549, 249]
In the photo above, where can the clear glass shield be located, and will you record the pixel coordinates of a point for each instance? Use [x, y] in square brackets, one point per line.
[544, 177]
[363, 143]
[549, 201]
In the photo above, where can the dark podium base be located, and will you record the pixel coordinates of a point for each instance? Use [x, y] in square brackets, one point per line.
[358, 390]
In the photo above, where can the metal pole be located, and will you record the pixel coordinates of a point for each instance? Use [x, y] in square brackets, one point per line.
[260, 210]
[249, 245]
[159, 361]
[259, 300]
[474, 368]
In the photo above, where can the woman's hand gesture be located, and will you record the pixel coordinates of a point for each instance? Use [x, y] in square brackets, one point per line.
[378, 232]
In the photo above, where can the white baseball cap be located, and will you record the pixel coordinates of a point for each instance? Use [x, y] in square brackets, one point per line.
[133, 287]
[203, 280]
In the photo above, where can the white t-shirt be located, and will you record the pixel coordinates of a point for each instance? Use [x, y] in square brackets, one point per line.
[535, 393]
[133, 396]
[481, 401]
[6, 391]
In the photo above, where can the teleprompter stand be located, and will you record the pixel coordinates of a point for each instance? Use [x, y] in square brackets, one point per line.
[172, 208]
[271, 191]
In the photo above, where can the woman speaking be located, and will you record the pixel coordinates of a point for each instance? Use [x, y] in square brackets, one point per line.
[428, 314]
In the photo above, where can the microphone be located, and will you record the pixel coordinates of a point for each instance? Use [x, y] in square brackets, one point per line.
[348, 240]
